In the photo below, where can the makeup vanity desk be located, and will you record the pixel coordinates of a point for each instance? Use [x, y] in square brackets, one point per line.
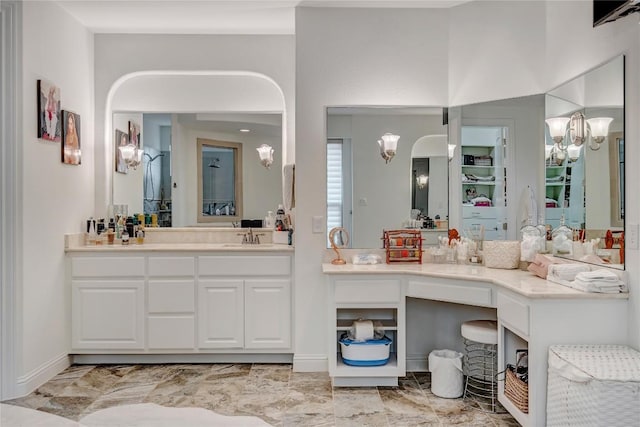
[532, 313]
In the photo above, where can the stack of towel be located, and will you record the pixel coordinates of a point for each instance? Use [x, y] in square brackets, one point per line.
[601, 280]
[581, 277]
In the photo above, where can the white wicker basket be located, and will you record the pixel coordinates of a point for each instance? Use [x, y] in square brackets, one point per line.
[593, 385]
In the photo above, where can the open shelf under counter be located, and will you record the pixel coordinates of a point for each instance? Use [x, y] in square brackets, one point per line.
[357, 376]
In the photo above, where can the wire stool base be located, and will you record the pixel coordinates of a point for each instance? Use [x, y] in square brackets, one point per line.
[480, 369]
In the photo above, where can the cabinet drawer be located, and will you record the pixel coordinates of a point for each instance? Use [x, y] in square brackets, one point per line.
[107, 267]
[244, 265]
[171, 332]
[470, 294]
[171, 296]
[487, 212]
[514, 313]
[172, 266]
[380, 291]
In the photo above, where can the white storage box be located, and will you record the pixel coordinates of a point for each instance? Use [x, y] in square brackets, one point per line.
[365, 353]
[593, 385]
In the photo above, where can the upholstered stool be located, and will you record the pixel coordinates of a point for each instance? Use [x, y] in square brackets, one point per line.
[481, 362]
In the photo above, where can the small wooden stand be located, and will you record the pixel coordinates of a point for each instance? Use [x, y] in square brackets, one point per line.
[403, 245]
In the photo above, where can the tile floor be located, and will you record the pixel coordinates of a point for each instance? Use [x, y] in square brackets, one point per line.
[270, 391]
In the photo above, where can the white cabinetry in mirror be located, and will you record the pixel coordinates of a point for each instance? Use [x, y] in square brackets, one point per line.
[483, 180]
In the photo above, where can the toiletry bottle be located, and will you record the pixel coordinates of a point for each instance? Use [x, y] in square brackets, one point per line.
[269, 220]
[125, 237]
[140, 236]
[91, 236]
[280, 218]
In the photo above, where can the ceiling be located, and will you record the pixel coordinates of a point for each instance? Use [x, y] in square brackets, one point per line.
[211, 16]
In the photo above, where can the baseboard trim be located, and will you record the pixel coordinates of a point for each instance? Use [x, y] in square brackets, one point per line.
[43, 373]
[91, 359]
[417, 363]
[310, 363]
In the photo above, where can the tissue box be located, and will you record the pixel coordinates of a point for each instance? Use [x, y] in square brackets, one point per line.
[501, 253]
[365, 353]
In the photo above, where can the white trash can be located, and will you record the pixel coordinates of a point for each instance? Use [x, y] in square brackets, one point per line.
[446, 373]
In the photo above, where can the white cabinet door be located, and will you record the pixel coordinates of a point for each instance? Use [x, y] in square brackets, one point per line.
[220, 314]
[268, 314]
[107, 314]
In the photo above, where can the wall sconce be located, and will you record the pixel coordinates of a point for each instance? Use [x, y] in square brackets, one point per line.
[132, 155]
[388, 146]
[451, 149]
[266, 155]
[422, 180]
[579, 131]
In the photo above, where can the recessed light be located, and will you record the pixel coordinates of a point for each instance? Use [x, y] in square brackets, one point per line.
[245, 130]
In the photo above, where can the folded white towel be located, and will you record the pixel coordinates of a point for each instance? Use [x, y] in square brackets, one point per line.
[566, 271]
[600, 275]
[601, 287]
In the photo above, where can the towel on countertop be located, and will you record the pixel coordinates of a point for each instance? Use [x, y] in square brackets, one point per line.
[600, 275]
[565, 274]
[541, 263]
[600, 280]
[289, 186]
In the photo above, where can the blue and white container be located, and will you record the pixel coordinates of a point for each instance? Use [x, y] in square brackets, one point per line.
[365, 353]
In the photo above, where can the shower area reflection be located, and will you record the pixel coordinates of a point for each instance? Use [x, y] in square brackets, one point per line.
[157, 167]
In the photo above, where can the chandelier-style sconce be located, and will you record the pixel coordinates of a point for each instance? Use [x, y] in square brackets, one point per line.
[580, 130]
[132, 155]
[421, 181]
[266, 155]
[388, 146]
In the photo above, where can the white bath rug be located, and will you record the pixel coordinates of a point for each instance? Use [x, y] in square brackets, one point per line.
[152, 415]
[17, 416]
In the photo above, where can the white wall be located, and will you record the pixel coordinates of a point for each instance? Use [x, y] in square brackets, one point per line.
[56, 198]
[496, 50]
[350, 57]
[271, 56]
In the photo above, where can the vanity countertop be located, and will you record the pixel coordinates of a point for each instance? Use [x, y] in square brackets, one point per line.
[181, 247]
[521, 282]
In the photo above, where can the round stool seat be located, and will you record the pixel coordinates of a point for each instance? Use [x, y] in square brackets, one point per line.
[481, 331]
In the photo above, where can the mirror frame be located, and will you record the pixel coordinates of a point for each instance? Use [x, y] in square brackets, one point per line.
[237, 160]
[617, 182]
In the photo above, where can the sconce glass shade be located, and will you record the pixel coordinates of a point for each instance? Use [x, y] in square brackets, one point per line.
[388, 146]
[573, 151]
[599, 128]
[451, 149]
[128, 152]
[547, 151]
[422, 180]
[557, 127]
[266, 155]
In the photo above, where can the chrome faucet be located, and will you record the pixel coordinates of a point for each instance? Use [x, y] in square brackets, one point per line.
[249, 238]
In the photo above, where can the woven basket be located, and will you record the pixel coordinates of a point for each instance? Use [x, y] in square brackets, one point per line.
[516, 390]
[501, 253]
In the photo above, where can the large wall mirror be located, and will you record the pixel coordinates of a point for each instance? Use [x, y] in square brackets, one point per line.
[245, 112]
[366, 193]
[584, 157]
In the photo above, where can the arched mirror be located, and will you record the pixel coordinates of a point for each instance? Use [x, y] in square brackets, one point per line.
[172, 112]
[369, 190]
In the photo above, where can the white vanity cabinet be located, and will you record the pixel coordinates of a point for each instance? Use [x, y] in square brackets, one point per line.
[245, 302]
[172, 302]
[107, 298]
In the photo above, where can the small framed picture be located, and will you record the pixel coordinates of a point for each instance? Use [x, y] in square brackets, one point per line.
[134, 134]
[49, 123]
[121, 139]
[71, 153]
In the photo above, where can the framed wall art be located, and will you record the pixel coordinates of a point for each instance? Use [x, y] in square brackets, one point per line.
[71, 153]
[49, 124]
[121, 140]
